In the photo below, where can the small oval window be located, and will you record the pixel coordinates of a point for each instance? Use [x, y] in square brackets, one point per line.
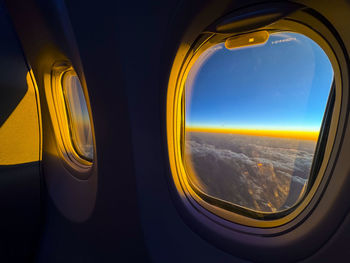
[78, 115]
[253, 115]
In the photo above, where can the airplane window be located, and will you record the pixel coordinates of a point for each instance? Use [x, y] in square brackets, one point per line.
[78, 115]
[253, 115]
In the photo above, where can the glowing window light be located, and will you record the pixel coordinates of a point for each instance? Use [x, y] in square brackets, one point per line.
[78, 115]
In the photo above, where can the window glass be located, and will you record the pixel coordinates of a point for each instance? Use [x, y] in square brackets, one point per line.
[252, 120]
[78, 115]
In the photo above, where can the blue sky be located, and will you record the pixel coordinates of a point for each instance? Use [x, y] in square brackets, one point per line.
[283, 84]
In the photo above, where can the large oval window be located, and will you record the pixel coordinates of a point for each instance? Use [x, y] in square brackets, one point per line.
[252, 120]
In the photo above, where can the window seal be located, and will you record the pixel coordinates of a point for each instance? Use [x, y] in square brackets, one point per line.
[60, 115]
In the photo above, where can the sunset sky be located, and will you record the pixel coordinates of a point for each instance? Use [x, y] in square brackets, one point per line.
[282, 85]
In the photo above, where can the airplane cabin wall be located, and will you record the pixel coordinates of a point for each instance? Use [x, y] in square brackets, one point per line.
[124, 51]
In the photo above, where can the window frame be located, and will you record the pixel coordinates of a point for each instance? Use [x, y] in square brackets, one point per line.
[313, 172]
[175, 131]
[60, 115]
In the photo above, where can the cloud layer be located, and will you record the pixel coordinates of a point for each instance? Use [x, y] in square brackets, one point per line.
[261, 173]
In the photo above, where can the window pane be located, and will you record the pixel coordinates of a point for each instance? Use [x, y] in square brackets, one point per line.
[253, 116]
[78, 115]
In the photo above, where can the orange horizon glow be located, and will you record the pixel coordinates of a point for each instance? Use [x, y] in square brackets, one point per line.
[288, 134]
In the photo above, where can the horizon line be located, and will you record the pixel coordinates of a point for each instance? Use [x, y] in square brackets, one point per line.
[289, 134]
